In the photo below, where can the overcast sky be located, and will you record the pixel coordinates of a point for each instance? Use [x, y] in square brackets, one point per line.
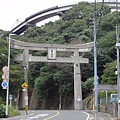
[14, 11]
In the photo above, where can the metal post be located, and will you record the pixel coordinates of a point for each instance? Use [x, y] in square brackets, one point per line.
[95, 66]
[106, 97]
[10, 102]
[118, 60]
[118, 81]
[7, 94]
[60, 104]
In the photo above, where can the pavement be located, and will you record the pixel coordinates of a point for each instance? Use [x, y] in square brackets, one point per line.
[104, 116]
[93, 116]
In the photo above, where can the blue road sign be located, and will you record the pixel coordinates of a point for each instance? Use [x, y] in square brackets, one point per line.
[10, 97]
[4, 84]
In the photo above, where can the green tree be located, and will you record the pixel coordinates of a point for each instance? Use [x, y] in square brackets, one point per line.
[109, 76]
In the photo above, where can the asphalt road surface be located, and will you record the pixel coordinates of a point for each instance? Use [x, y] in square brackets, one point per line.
[51, 115]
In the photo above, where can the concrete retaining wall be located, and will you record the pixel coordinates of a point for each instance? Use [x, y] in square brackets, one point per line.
[111, 109]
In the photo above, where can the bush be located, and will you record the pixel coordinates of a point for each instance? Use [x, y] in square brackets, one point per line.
[12, 111]
[2, 111]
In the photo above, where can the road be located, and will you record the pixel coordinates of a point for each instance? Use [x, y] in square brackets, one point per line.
[52, 115]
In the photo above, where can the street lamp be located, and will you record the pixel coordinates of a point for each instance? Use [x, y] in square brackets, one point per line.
[7, 94]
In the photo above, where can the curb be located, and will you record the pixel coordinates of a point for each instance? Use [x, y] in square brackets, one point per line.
[92, 113]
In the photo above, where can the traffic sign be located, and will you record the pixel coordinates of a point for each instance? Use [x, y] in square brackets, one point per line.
[78, 98]
[10, 97]
[24, 85]
[5, 77]
[5, 69]
[24, 90]
[4, 84]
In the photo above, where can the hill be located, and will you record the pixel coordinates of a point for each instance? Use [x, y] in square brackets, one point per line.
[55, 79]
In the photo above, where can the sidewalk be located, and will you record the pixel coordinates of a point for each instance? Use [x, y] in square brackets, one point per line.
[104, 116]
[100, 116]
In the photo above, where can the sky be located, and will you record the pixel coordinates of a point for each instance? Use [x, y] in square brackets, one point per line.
[12, 12]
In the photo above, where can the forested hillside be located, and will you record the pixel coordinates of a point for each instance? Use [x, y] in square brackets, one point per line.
[75, 27]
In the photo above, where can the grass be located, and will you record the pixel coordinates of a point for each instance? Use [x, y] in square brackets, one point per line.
[13, 112]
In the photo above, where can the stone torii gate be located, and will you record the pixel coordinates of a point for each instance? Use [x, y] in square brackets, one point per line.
[51, 57]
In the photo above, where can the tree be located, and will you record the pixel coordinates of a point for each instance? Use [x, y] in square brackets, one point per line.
[109, 76]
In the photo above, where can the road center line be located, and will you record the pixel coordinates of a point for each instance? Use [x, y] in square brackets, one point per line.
[52, 116]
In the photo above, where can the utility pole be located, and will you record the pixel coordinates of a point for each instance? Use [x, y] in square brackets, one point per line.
[118, 60]
[95, 66]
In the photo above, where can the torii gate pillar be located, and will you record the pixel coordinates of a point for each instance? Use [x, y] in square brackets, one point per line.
[77, 83]
[25, 67]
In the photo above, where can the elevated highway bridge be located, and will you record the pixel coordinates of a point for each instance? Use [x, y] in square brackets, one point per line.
[40, 16]
[48, 13]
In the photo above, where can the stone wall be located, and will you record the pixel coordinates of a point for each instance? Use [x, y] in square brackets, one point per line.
[111, 109]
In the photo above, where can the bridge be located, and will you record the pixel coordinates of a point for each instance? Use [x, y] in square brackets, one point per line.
[112, 4]
[50, 12]
[40, 16]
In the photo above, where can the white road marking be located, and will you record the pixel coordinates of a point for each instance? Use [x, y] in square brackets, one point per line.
[88, 116]
[16, 117]
[36, 116]
[27, 117]
[101, 118]
[92, 118]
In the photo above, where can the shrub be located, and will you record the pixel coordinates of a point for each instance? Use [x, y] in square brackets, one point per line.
[12, 111]
[2, 111]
